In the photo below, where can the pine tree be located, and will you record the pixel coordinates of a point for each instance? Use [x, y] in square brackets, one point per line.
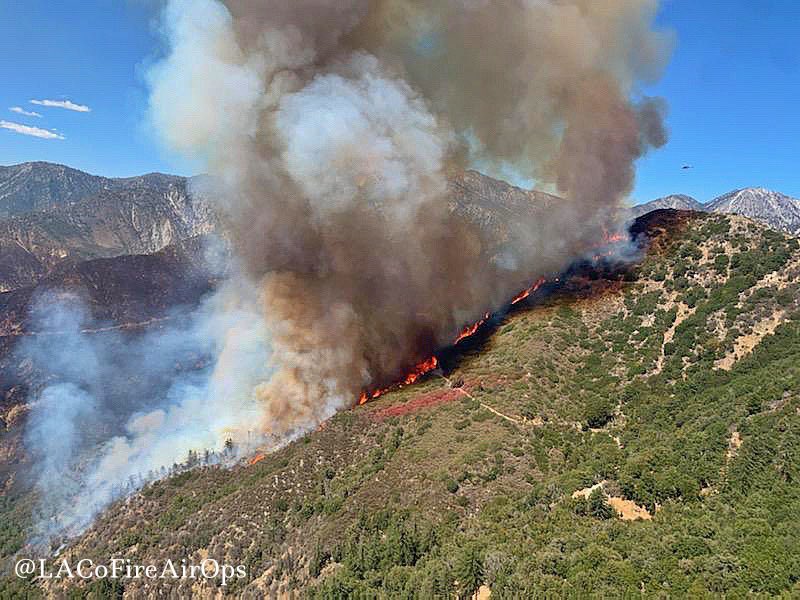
[469, 571]
[598, 507]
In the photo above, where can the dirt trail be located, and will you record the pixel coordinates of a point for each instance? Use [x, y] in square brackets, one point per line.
[734, 443]
[120, 327]
[486, 406]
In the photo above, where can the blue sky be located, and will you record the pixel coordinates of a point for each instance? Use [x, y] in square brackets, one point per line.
[733, 87]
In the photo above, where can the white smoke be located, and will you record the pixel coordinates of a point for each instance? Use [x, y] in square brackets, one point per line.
[331, 128]
[358, 136]
[92, 444]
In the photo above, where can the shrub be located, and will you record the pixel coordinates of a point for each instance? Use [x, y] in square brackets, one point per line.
[598, 412]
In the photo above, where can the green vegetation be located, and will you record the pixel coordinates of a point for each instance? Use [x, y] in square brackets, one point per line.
[629, 387]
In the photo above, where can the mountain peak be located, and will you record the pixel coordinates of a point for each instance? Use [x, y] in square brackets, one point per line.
[773, 208]
[676, 201]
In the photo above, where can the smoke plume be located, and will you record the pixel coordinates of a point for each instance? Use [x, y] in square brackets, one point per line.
[333, 126]
[120, 412]
[333, 130]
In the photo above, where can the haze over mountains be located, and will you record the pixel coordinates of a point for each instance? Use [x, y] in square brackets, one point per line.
[777, 210]
[53, 212]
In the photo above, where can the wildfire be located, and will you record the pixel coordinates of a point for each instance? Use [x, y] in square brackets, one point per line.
[256, 459]
[426, 366]
[613, 238]
[527, 292]
[430, 364]
[470, 331]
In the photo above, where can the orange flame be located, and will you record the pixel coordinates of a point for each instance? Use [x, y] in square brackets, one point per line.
[470, 331]
[426, 366]
[525, 293]
[256, 459]
[430, 364]
[612, 238]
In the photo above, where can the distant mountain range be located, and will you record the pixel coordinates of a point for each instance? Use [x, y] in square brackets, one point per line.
[52, 214]
[777, 210]
[34, 186]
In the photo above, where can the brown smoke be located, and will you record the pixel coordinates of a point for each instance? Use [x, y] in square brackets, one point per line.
[332, 126]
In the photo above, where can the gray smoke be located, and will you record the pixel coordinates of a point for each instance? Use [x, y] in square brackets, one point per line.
[334, 126]
[332, 129]
[119, 412]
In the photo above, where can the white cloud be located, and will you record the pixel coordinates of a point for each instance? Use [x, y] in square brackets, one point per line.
[32, 131]
[21, 111]
[62, 104]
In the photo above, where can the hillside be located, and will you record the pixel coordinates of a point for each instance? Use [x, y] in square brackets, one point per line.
[126, 295]
[129, 216]
[27, 187]
[35, 186]
[629, 431]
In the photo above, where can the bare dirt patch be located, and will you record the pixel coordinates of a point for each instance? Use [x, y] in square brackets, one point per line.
[744, 344]
[629, 510]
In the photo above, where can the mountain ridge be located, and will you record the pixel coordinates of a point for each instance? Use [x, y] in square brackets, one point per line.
[51, 214]
[772, 208]
[40, 185]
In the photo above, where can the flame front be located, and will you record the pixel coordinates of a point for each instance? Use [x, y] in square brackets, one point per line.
[422, 368]
[527, 292]
[431, 363]
[470, 331]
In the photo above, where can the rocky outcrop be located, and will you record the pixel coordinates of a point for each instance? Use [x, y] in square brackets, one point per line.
[676, 201]
[140, 217]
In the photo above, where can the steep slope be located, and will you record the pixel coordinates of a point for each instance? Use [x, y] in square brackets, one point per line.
[126, 295]
[775, 209]
[652, 392]
[133, 293]
[38, 185]
[676, 201]
[142, 216]
[496, 206]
